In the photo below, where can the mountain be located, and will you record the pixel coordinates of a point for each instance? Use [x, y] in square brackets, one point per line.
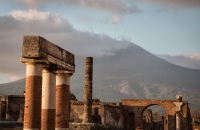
[131, 72]
[191, 61]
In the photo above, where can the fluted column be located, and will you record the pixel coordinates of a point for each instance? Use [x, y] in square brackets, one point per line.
[62, 100]
[87, 117]
[32, 107]
[48, 99]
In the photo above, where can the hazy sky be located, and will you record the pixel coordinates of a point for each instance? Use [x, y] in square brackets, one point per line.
[94, 27]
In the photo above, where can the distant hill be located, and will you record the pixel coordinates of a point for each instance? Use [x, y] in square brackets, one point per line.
[130, 73]
[182, 60]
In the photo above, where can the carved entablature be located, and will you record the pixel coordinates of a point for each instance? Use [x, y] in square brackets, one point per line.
[37, 47]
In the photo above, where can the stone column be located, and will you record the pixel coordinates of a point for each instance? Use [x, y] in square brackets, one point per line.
[178, 104]
[32, 107]
[87, 116]
[21, 115]
[2, 109]
[48, 99]
[178, 121]
[62, 100]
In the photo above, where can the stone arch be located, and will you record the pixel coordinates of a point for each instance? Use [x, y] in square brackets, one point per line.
[152, 105]
[137, 106]
[149, 117]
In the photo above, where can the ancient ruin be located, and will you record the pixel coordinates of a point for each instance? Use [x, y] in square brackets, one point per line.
[87, 117]
[48, 71]
[47, 106]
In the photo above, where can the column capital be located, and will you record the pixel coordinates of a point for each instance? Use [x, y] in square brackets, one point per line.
[30, 61]
[63, 72]
[178, 106]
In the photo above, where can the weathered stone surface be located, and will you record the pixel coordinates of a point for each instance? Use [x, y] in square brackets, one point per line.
[11, 107]
[11, 125]
[87, 117]
[112, 116]
[39, 48]
[48, 119]
[88, 126]
[32, 107]
[48, 99]
[137, 107]
[62, 106]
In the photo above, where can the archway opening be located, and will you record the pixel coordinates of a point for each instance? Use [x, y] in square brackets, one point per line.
[154, 118]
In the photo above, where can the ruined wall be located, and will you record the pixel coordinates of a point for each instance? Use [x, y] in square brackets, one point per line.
[107, 114]
[87, 126]
[147, 119]
[112, 116]
[134, 108]
[11, 125]
[77, 111]
[12, 107]
[196, 127]
[186, 117]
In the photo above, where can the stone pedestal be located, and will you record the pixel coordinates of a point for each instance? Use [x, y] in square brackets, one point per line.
[62, 100]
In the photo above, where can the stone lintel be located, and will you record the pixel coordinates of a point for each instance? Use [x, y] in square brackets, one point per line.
[36, 47]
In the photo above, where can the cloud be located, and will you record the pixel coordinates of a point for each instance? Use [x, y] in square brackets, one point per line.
[111, 6]
[114, 19]
[85, 19]
[190, 61]
[195, 56]
[59, 31]
[30, 15]
[177, 3]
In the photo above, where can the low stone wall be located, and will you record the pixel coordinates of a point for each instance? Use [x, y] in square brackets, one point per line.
[87, 126]
[11, 125]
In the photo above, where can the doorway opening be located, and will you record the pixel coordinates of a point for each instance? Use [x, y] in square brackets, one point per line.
[154, 118]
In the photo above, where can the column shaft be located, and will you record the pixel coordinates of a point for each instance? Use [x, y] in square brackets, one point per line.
[178, 121]
[62, 101]
[32, 107]
[87, 117]
[48, 100]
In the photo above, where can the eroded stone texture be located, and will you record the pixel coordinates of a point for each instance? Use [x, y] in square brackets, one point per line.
[2, 110]
[48, 119]
[38, 53]
[137, 107]
[11, 107]
[62, 100]
[32, 107]
[48, 99]
[39, 48]
[87, 117]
